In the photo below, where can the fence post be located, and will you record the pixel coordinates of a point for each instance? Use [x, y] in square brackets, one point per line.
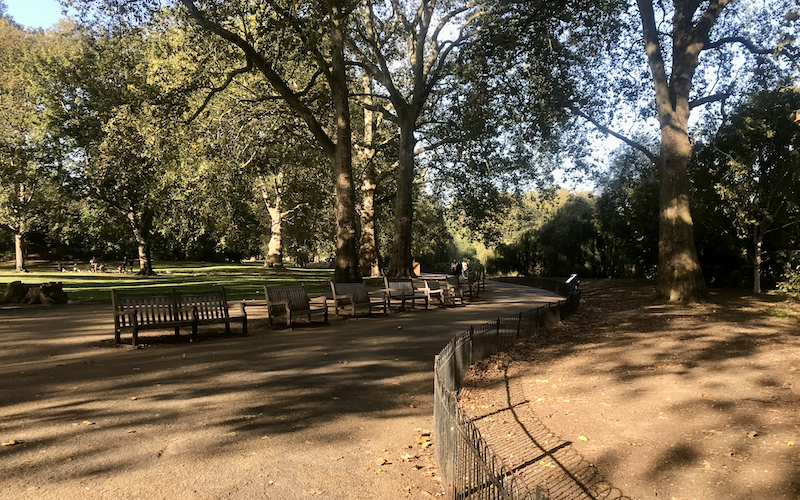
[471, 345]
[519, 325]
[498, 342]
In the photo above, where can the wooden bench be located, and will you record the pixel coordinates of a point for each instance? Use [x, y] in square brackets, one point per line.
[159, 310]
[355, 295]
[463, 288]
[432, 290]
[403, 289]
[293, 301]
[446, 291]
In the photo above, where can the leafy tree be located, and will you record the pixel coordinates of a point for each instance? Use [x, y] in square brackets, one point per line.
[627, 215]
[274, 40]
[21, 171]
[116, 125]
[405, 47]
[753, 161]
[691, 48]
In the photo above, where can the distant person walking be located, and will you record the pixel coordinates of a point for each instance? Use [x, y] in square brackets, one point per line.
[458, 270]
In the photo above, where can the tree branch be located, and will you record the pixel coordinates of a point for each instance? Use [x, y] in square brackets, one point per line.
[602, 128]
[709, 99]
[228, 80]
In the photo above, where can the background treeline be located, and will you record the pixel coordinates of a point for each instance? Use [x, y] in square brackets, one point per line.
[364, 134]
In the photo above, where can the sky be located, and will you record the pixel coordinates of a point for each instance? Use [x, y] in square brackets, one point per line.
[34, 13]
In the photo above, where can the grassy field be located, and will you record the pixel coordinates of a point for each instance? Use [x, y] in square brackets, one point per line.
[241, 281]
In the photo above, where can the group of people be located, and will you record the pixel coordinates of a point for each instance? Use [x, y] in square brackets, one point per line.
[459, 268]
[99, 267]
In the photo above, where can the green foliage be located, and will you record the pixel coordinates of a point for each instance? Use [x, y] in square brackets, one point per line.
[627, 216]
[747, 183]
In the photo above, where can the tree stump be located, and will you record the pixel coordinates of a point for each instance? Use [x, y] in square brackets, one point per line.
[47, 293]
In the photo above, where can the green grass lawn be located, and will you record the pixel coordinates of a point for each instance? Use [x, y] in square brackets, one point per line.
[241, 281]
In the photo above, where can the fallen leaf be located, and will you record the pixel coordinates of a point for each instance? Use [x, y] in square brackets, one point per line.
[406, 457]
[789, 443]
[133, 398]
[752, 434]
[583, 438]
[424, 440]
[13, 442]
[87, 422]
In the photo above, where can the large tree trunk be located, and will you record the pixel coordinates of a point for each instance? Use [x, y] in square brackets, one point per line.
[402, 262]
[679, 276]
[369, 264]
[275, 247]
[141, 234]
[19, 252]
[346, 259]
[758, 237]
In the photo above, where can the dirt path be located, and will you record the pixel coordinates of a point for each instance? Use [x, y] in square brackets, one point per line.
[322, 411]
[630, 398]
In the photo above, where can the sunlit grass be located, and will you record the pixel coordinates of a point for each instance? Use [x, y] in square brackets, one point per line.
[241, 281]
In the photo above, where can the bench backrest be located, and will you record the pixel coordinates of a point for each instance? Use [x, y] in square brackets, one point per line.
[209, 305]
[402, 284]
[295, 294]
[433, 285]
[152, 308]
[357, 290]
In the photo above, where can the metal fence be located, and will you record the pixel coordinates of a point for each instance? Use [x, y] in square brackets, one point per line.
[469, 467]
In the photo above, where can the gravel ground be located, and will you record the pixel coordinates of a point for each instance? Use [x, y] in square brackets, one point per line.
[317, 411]
[632, 398]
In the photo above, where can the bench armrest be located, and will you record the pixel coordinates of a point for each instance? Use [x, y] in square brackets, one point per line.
[284, 303]
[321, 299]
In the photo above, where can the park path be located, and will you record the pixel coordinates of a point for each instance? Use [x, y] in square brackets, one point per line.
[321, 411]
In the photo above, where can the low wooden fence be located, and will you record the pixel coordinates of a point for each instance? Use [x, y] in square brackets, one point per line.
[469, 467]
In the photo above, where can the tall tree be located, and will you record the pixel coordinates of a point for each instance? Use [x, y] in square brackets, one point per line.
[319, 28]
[406, 47]
[755, 163]
[273, 39]
[20, 172]
[116, 125]
[691, 49]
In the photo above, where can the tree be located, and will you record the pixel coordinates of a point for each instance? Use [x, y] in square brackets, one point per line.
[20, 169]
[754, 162]
[405, 47]
[627, 214]
[116, 126]
[690, 53]
[302, 25]
[274, 40]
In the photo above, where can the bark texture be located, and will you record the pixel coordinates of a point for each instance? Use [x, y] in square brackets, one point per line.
[140, 224]
[369, 263]
[346, 270]
[402, 261]
[680, 278]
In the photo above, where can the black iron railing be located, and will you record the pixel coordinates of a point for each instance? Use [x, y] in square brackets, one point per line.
[469, 467]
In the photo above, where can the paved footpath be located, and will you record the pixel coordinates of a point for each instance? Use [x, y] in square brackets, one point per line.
[321, 411]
